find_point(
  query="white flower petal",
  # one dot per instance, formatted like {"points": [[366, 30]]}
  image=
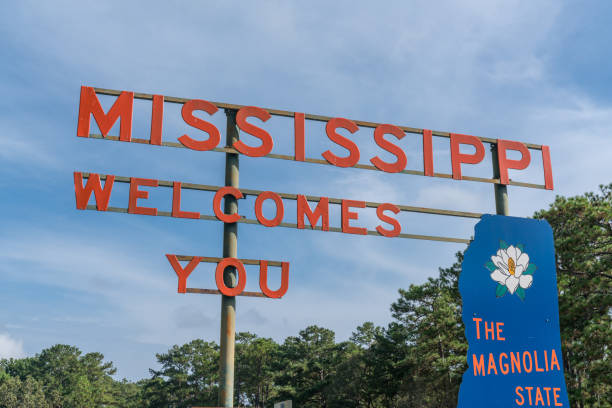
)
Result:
{"points": [[504, 256], [512, 253], [519, 271], [512, 283], [499, 276], [525, 281], [499, 263], [523, 260], [518, 252]]}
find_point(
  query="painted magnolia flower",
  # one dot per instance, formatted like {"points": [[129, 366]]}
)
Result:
{"points": [[512, 269]]}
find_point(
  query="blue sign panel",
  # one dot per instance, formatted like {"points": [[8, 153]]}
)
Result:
{"points": [[508, 284]]}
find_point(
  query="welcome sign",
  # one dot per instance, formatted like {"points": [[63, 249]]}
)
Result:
{"points": [[509, 287], [508, 284]]}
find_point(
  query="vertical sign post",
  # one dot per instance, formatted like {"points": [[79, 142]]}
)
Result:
{"points": [[501, 190], [230, 250]]}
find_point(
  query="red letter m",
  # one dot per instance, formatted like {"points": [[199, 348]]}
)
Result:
{"points": [[93, 184], [90, 105], [321, 211]]}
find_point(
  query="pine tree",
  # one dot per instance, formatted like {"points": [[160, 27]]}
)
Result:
{"points": [[582, 228]]}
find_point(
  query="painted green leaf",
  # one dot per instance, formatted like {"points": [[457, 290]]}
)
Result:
{"points": [[530, 270], [520, 292], [521, 247], [490, 266], [501, 290], [503, 245]]}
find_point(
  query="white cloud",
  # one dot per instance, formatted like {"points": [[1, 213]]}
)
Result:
{"points": [[10, 347]]}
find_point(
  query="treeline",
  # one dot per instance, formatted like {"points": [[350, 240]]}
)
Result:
{"points": [[416, 361]]}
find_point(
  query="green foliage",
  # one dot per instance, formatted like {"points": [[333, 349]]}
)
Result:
{"points": [[520, 292], [69, 379], [188, 376], [310, 361], [15, 393], [256, 370], [365, 335], [530, 269], [582, 228], [500, 290], [128, 394], [429, 316]]}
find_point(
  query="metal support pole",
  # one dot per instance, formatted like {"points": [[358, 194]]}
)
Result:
{"points": [[501, 191], [230, 249]]}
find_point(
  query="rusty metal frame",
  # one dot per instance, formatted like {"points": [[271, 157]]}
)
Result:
{"points": [[244, 220], [324, 162], [289, 196], [291, 225]]}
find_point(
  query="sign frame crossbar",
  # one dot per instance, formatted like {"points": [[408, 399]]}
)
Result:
{"points": [[292, 225], [495, 181], [291, 196]]}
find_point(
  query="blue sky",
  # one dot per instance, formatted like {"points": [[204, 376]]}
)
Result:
{"points": [[529, 71]]}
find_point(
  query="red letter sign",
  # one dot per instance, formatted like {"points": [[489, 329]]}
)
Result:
{"points": [[322, 211], [135, 194], [90, 105], [427, 153], [299, 137], [380, 212], [183, 274], [457, 158], [505, 163], [348, 215], [379, 137], [263, 280], [235, 291], [266, 140], [548, 178], [157, 119], [93, 184], [280, 210], [176, 203], [213, 132], [330, 128], [229, 218]]}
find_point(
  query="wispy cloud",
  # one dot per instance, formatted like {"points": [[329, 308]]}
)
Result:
{"points": [[10, 347]]}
